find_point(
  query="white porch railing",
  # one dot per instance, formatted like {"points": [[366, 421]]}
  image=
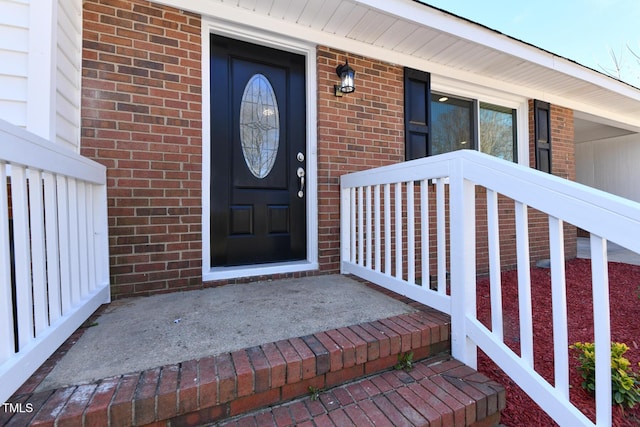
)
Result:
{"points": [[53, 249], [386, 238]]}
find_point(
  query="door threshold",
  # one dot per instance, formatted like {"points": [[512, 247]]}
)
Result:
{"points": [[221, 273]]}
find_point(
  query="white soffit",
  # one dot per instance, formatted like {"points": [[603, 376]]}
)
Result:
{"points": [[410, 33]]}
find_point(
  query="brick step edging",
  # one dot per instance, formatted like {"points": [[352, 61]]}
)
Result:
{"points": [[438, 391], [214, 388]]}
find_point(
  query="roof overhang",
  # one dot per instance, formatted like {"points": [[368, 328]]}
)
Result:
{"points": [[413, 34]]}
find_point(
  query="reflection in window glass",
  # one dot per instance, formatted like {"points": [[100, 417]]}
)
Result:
{"points": [[497, 131], [451, 124], [259, 126]]}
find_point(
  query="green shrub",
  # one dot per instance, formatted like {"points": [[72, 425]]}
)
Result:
{"points": [[405, 362], [625, 383]]}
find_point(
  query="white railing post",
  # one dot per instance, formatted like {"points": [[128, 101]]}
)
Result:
{"points": [[101, 232], [462, 262]]}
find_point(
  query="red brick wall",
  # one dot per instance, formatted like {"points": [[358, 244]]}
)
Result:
{"points": [[360, 130], [141, 117]]}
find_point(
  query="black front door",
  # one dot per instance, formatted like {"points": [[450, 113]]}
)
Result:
{"points": [[258, 156]]}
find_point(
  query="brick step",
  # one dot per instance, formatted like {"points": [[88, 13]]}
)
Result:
{"points": [[438, 391], [216, 388]]}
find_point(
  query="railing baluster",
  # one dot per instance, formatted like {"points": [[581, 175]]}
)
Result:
{"points": [[376, 203], [74, 259], [559, 306], [602, 329], [353, 225], [83, 243], [82, 228], [22, 253], [360, 227], [369, 226], [91, 264], [38, 256], [493, 227], [398, 218], [387, 229], [524, 283], [65, 243], [441, 237], [53, 254], [411, 235], [6, 306], [424, 233]]}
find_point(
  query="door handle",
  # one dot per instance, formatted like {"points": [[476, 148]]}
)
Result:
{"points": [[300, 174]]}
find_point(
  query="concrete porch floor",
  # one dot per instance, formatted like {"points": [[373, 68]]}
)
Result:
{"points": [[136, 334], [327, 332], [615, 252]]}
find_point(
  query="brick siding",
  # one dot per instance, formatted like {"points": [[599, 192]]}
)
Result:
{"points": [[141, 117], [360, 130]]}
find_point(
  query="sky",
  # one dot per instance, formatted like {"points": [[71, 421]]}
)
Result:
{"points": [[584, 31]]}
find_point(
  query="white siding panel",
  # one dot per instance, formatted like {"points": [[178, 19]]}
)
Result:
{"points": [[14, 41], [611, 165], [13, 88], [14, 38], [13, 63], [585, 164], [14, 13], [66, 129], [68, 73], [13, 112]]}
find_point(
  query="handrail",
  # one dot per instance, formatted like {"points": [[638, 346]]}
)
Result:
{"points": [[373, 223], [54, 259]]}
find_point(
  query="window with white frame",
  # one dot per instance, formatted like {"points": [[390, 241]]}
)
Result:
{"points": [[458, 115], [458, 123]]}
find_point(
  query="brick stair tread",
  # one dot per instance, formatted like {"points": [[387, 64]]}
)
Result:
{"points": [[212, 389], [438, 391]]}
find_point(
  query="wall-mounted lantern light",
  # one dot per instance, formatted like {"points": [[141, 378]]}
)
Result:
{"points": [[346, 75]]}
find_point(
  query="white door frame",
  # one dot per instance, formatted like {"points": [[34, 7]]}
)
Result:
{"points": [[259, 37]]}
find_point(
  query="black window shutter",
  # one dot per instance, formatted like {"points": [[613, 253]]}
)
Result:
{"points": [[542, 135], [417, 95]]}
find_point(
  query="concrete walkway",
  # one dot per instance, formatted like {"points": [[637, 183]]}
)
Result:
{"points": [[141, 333], [615, 253]]}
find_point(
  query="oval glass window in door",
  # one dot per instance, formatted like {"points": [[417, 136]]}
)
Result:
{"points": [[259, 126]]}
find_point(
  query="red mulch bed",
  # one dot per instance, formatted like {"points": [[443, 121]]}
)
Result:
{"points": [[624, 284]]}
